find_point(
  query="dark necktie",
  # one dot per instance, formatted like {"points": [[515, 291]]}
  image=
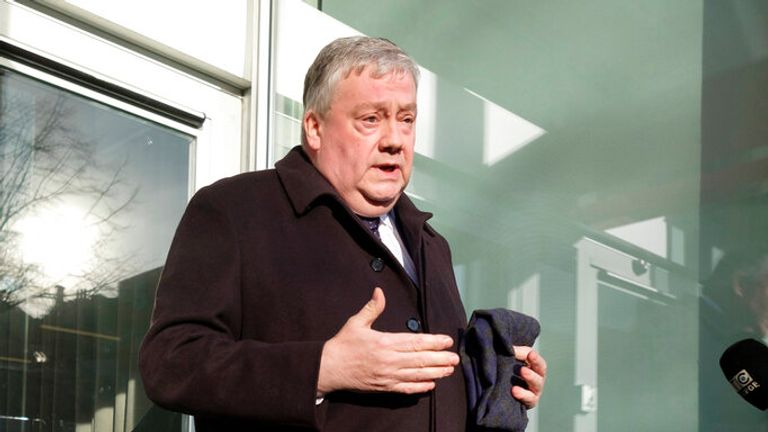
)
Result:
{"points": [[372, 223]]}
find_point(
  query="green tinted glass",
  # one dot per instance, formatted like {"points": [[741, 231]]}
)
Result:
{"points": [[601, 165]]}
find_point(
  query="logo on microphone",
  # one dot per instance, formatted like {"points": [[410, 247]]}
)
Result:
{"points": [[743, 382]]}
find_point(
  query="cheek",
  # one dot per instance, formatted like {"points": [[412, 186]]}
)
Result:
{"points": [[408, 168], [357, 167]]}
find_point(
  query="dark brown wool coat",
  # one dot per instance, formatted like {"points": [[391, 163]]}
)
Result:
{"points": [[263, 269]]}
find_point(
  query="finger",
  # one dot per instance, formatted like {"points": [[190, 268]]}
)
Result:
{"points": [[408, 342], [526, 397], [537, 363], [532, 358], [428, 359], [522, 352], [371, 311], [413, 387], [424, 373], [534, 381], [534, 374]]}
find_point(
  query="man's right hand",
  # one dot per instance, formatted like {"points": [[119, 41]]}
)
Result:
{"points": [[359, 358]]}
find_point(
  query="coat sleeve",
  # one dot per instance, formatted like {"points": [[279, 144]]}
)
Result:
{"points": [[193, 359]]}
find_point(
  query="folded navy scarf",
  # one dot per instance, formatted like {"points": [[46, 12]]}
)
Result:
{"points": [[490, 368]]}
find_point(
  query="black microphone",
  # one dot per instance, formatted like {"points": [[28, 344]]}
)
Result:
{"points": [[745, 365]]}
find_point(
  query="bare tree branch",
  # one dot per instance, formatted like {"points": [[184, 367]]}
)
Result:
{"points": [[45, 160]]}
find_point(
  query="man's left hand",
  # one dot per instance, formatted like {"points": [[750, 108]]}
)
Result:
{"points": [[534, 374]]}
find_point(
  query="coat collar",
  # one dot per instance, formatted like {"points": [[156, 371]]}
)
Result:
{"points": [[303, 183], [305, 186]]}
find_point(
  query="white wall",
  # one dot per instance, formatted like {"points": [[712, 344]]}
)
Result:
{"points": [[214, 32]]}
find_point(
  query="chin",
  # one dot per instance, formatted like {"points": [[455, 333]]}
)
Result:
{"points": [[382, 201]]}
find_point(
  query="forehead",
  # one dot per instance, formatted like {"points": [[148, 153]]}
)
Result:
{"points": [[367, 85]]}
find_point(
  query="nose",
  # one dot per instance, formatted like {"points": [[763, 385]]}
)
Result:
{"points": [[392, 139]]}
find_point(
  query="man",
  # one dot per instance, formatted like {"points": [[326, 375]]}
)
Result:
{"points": [[258, 322]]}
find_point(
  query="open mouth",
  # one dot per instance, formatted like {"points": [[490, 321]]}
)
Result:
{"points": [[387, 167]]}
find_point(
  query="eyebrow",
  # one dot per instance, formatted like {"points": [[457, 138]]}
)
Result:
{"points": [[380, 105]]}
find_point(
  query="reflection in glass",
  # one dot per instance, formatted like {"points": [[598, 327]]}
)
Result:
{"points": [[635, 226], [89, 198]]}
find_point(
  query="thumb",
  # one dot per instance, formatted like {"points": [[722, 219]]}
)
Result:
{"points": [[372, 309]]}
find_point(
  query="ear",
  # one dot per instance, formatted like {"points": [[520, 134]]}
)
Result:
{"points": [[312, 130]]}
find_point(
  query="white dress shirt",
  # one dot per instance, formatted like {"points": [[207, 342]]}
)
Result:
{"points": [[392, 240]]}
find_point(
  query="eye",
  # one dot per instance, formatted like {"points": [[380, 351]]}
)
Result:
{"points": [[369, 119]]}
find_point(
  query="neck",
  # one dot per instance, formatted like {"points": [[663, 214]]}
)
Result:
{"points": [[368, 209]]}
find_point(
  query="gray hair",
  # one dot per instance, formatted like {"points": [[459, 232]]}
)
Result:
{"points": [[340, 58]]}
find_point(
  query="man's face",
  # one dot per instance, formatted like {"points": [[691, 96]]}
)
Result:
{"points": [[364, 144]]}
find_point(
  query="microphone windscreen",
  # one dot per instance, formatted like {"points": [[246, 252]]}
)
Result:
{"points": [[745, 365]]}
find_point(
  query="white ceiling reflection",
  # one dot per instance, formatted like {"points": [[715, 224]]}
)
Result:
{"points": [[504, 132], [650, 234]]}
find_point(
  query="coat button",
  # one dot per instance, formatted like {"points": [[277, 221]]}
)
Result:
{"points": [[413, 325], [377, 264]]}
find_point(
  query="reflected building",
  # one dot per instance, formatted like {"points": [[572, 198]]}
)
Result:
{"points": [[77, 366]]}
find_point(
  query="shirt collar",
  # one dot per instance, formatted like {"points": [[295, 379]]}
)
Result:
{"points": [[388, 219]]}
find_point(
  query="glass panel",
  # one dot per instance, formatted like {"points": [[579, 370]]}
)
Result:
{"points": [[600, 165], [89, 199]]}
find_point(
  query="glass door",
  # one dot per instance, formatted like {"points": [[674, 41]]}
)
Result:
{"points": [[90, 198], [100, 149]]}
